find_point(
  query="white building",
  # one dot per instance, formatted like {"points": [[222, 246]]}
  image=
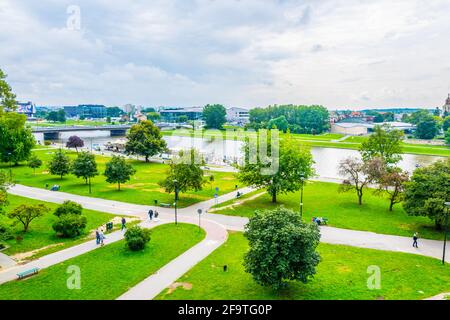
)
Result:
{"points": [[238, 115]]}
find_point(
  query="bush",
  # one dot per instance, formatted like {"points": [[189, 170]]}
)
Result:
{"points": [[47, 143], [68, 207], [5, 229], [137, 237], [69, 225]]}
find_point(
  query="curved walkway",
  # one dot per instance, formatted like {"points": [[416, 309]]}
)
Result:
{"points": [[362, 239]]}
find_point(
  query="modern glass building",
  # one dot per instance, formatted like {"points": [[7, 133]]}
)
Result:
{"points": [[86, 111]]}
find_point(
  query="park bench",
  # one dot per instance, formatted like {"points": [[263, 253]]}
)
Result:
{"points": [[27, 273], [165, 205]]}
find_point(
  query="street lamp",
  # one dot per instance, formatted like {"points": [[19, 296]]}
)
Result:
{"points": [[302, 178], [199, 211], [447, 208], [175, 183]]}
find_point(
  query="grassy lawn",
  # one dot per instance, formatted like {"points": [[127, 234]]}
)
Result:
{"points": [[341, 275], [107, 272], [142, 189], [41, 234], [69, 122], [323, 200]]}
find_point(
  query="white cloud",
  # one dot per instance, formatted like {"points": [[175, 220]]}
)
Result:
{"points": [[339, 53]]}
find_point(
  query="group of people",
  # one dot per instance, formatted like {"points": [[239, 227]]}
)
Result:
{"points": [[152, 214], [100, 237]]}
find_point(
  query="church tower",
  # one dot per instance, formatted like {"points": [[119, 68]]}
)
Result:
{"points": [[446, 107]]}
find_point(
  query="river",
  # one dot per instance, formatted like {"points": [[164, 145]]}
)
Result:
{"points": [[326, 159]]}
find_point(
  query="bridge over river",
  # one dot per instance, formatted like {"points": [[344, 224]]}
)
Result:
{"points": [[53, 133]]}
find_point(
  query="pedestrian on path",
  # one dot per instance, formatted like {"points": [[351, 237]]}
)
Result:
{"points": [[102, 238], [415, 238], [97, 237], [150, 214], [156, 216], [124, 223]]}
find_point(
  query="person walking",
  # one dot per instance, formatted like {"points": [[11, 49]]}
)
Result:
{"points": [[156, 216], [124, 223], [415, 238], [102, 238], [97, 236], [150, 214]]}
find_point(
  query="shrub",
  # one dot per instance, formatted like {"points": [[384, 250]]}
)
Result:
{"points": [[70, 222], [68, 207], [69, 225], [136, 238]]}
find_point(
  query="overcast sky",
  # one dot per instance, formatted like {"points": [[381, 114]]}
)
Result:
{"points": [[349, 53]]}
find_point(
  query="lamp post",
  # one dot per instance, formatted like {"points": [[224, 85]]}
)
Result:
{"points": [[447, 208], [175, 183], [302, 178], [199, 211]]}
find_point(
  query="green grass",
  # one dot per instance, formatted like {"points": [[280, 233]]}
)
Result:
{"points": [[143, 188], [41, 234], [68, 123], [323, 200], [107, 272], [341, 275]]}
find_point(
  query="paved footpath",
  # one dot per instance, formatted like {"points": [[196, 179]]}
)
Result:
{"points": [[362, 239]]}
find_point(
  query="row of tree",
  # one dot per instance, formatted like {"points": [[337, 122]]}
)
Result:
{"points": [[296, 119], [117, 170]]}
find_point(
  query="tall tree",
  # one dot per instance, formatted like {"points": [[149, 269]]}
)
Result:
{"points": [[359, 174], [215, 116], [392, 183], [5, 182], [186, 170], [16, 140], [384, 143], [145, 139], [85, 167], [427, 192], [295, 166], [427, 128], [118, 171], [34, 163], [59, 165], [25, 214], [282, 248], [75, 142], [7, 97]]}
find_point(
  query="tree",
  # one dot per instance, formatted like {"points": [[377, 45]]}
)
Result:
{"points": [[61, 115], [59, 165], [282, 248], [137, 238], [186, 170], [118, 171], [182, 119], [34, 163], [214, 115], [427, 128], [25, 214], [75, 142], [427, 192], [279, 123], [447, 137], [295, 165], [358, 174], [85, 167], [418, 116], [153, 116], [16, 140], [384, 143], [446, 124], [392, 183], [145, 139], [7, 97], [70, 221], [5, 182]]}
